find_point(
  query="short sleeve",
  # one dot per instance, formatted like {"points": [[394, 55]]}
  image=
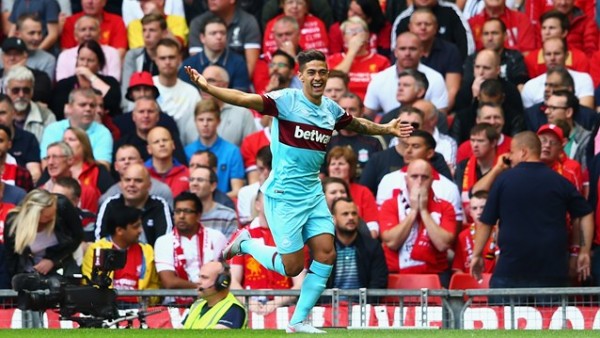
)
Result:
{"points": [[269, 105], [343, 118], [234, 318]]}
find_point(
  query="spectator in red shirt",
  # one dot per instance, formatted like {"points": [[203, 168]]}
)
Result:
{"points": [[553, 140], [520, 32], [313, 34], [417, 228], [112, 27], [493, 114], [584, 32], [555, 25], [247, 273], [463, 250], [358, 61], [84, 168], [342, 163], [162, 165], [380, 29]]}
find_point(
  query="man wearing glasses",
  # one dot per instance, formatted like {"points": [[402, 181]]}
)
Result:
{"points": [[180, 253]]}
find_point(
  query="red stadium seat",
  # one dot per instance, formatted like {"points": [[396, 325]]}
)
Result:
{"points": [[412, 282], [464, 281]]}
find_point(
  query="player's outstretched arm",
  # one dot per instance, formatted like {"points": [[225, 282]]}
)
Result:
{"points": [[394, 127], [231, 96]]}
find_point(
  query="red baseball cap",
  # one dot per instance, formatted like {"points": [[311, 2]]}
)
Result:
{"points": [[140, 79], [553, 128]]}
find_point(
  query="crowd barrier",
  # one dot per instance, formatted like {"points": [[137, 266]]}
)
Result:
{"points": [[551, 308]]}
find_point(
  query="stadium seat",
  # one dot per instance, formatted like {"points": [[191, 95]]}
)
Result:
{"points": [[413, 282], [464, 281]]}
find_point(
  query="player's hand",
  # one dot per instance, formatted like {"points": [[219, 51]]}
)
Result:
{"points": [[402, 130], [583, 266], [196, 78], [476, 266]]}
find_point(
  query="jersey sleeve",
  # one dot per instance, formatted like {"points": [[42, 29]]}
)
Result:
{"points": [[342, 117], [269, 105]]}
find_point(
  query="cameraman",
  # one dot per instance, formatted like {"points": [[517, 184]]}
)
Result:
{"points": [[41, 234], [125, 227]]}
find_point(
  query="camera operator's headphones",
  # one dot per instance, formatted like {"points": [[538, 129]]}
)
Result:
{"points": [[224, 278]]}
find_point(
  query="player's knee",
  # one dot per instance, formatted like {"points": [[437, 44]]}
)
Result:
{"points": [[325, 256], [293, 271]]}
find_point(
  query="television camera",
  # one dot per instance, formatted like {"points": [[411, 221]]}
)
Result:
{"points": [[96, 299]]}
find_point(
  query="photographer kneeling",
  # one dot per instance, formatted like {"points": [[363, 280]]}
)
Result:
{"points": [[41, 234], [139, 273]]}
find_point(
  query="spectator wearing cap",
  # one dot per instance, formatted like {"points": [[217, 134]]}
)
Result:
{"points": [[112, 28], [141, 59], [14, 53], [145, 116], [553, 140], [142, 86], [213, 36], [88, 28]]}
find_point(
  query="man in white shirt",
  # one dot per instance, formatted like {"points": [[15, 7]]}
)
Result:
{"points": [[180, 253], [177, 98], [381, 93], [555, 55]]}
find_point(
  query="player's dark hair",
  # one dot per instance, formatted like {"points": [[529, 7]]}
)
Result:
{"points": [[307, 56]]}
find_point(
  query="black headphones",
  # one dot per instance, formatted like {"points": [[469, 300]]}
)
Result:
{"points": [[224, 278]]}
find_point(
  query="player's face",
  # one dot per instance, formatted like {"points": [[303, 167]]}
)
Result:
{"points": [[481, 145], [476, 206], [551, 147], [345, 217], [340, 168], [334, 191], [314, 77], [335, 88], [493, 116]]}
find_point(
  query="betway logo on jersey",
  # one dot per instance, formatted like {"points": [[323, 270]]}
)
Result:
{"points": [[311, 135], [302, 135]]}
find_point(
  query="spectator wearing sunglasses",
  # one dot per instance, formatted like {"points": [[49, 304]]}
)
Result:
{"points": [[30, 116]]}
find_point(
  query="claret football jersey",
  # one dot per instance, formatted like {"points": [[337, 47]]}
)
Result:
{"points": [[299, 137]]}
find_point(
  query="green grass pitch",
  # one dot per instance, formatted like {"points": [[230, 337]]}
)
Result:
{"points": [[372, 333]]}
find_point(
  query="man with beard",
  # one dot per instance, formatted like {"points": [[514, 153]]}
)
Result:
{"points": [[29, 115]]}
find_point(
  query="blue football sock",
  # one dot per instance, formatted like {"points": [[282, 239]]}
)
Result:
{"points": [[265, 255], [311, 290]]}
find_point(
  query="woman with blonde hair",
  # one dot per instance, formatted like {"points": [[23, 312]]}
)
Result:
{"points": [[41, 234]]}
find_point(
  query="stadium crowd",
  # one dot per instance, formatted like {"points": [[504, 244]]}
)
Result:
{"points": [[500, 175]]}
